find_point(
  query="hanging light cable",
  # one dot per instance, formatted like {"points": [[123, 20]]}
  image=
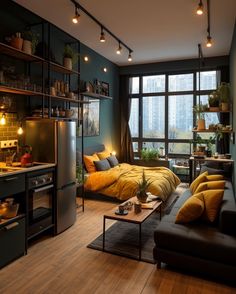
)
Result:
{"points": [[209, 38], [199, 10], [76, 17], [118, 51], [102, 36]]}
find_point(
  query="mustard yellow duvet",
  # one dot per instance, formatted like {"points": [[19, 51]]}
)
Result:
{"points": [[122, 181]]}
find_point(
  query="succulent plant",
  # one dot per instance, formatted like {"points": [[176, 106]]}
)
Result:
{"points": [[142, 188]]}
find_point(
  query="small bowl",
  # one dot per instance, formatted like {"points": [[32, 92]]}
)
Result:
{"points": [[228, 156]]}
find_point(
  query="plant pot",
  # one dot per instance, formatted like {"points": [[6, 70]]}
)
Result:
{"points": [[201, 148], [67, 62], [27, 47], [215, 109], [224, 106], [201, 124], [142, 196], [17, 43]]}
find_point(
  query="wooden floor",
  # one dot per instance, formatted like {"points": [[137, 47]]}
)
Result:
{"points": [[63, 264]]}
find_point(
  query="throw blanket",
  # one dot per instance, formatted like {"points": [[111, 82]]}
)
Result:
{"points": [[122, 181]]}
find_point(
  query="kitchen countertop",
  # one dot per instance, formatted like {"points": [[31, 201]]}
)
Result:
{"points": [[16, 168]]}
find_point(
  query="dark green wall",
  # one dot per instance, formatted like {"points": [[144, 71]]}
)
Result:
{"points": [[233, 92], [109, 109]]}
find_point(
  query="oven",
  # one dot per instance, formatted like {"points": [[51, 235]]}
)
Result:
{"points": [[40, 202]]}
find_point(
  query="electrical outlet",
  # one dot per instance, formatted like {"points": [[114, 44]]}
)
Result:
{"points": [[8, 144]]}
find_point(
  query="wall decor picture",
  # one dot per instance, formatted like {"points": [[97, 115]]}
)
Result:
{"points": [[91, 118], [105, 88]]}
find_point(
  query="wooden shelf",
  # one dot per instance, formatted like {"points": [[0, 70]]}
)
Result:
{"points": [[95, 95], [64, 98], [211, 131], [11, 51], [60, 68], [219, 111], [17, 91]]}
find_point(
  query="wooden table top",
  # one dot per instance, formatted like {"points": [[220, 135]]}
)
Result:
{"points": [[132, 216]]}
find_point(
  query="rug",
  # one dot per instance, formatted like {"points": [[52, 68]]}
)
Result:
{"points": [[122, 238]]}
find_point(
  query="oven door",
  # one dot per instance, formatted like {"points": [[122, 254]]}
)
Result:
{"points": [[40, 209]]}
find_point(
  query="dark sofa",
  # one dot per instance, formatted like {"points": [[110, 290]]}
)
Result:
{"points": [[208, 249]]}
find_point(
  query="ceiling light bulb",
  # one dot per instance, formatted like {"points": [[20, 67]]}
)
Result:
{"points": [[200, 8], [3, 119], [130, 57], [118, 51], [86, 58], [76, 17], [20, 131], [209, 41], [102, 36], [105, 69]]}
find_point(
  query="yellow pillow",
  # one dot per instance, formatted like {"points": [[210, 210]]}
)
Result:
{"points": [[213, 200], [89, 162], [191, 210], [214, 177], [104, 154], [197, 181], [212, 185]]}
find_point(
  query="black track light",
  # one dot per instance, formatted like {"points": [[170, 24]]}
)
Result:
{"points": [[130, 56], [76, 17], [102, 36], [209, 41], [199, 10], [118, 51]]}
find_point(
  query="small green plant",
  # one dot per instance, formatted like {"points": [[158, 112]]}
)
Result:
{"points": [[224, 92], [70, 53], [32, 37], [142, 188], [199, 111], [214, 99], [149, 154], [79, 174]]}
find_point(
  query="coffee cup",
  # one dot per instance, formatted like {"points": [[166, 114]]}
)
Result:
{"points": [[69, 113], [137, 207]]}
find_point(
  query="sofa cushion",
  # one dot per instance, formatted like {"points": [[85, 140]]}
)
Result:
{"points": [[102, 165], [212, 200], [210, 185], [103, 155], [191, 210], [201, 178], [214, 177], [89, 162]]}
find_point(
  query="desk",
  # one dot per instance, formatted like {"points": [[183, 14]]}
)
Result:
{"points": [[193, 160], [181, 171]]}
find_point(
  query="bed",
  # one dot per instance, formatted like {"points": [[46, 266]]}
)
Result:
{"points": [[121, 181]]}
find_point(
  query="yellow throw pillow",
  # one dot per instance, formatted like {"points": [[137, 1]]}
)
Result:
{"points": [[191, 210], [214, 177], [212, 185], [89, 162], [197, 181], [213, 200], [104, 154]]}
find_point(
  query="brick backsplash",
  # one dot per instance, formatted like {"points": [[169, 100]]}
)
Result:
{"points": [[8, 131]]}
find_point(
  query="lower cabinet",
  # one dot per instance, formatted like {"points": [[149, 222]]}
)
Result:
{"points": [[12, 240]]}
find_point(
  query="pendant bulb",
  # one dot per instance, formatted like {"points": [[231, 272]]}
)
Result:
{"points": [[199, 10]]}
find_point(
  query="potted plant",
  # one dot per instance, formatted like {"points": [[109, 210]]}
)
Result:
{"points": [[142, 189], [214, 101], [224, 92], [149, 154], [69, 57], [198, 110], [30, 42]]}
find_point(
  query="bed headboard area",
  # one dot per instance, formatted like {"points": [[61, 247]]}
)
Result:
{"points": [[92, 149]]}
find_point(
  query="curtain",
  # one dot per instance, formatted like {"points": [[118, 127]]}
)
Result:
{"points": [[126, 148]]}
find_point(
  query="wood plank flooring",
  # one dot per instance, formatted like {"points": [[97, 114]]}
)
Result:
{"points": [[63, 264]]}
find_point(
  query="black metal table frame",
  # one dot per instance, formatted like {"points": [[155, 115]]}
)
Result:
{"points": [[128, 221]]}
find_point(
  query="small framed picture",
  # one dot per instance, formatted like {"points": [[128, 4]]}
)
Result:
{"points": [[105, 88]]}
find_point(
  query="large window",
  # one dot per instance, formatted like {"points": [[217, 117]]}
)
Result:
{"points": [[162, 109]]}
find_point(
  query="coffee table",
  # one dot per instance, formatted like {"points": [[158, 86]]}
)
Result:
{"points": [[131, 217]]}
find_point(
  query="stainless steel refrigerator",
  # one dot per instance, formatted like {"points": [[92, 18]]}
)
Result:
{"points": [[55, 142]]}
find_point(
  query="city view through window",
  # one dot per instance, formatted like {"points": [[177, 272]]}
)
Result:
{"points": [[162, 109]]}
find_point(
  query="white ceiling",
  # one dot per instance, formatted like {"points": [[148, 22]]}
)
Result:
{"points": [[156, 30]]}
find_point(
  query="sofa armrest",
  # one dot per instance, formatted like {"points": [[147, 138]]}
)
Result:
{"points": [[227, 222]]}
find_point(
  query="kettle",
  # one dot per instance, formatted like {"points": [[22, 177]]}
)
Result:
{"points": [[26, 159]]}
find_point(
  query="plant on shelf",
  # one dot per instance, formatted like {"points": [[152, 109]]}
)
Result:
{"points": [[142, 189], [199, 111], [149, 154], [224, 92], [30, 41], [214, 101], [70, 57], [79, 174]]}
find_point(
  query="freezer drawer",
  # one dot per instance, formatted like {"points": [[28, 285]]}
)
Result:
{"points": [[65, 208]]}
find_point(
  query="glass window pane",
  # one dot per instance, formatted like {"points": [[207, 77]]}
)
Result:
{"points": [[135, 146], [182, 82], [154, 84], [134, 85], [180, 116], [210, 118], [134, 117], [153, 145], [179, 148], [154, 117], [207, 80]]}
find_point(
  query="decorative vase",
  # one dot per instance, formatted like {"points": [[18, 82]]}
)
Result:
{"points": [[224, 106], [27, 47], [17, 43], [142, 196], [67, 62], [201, 125]]}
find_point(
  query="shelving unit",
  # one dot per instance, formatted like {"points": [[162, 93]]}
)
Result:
{"points": [[212, 131], [95, 95]]}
